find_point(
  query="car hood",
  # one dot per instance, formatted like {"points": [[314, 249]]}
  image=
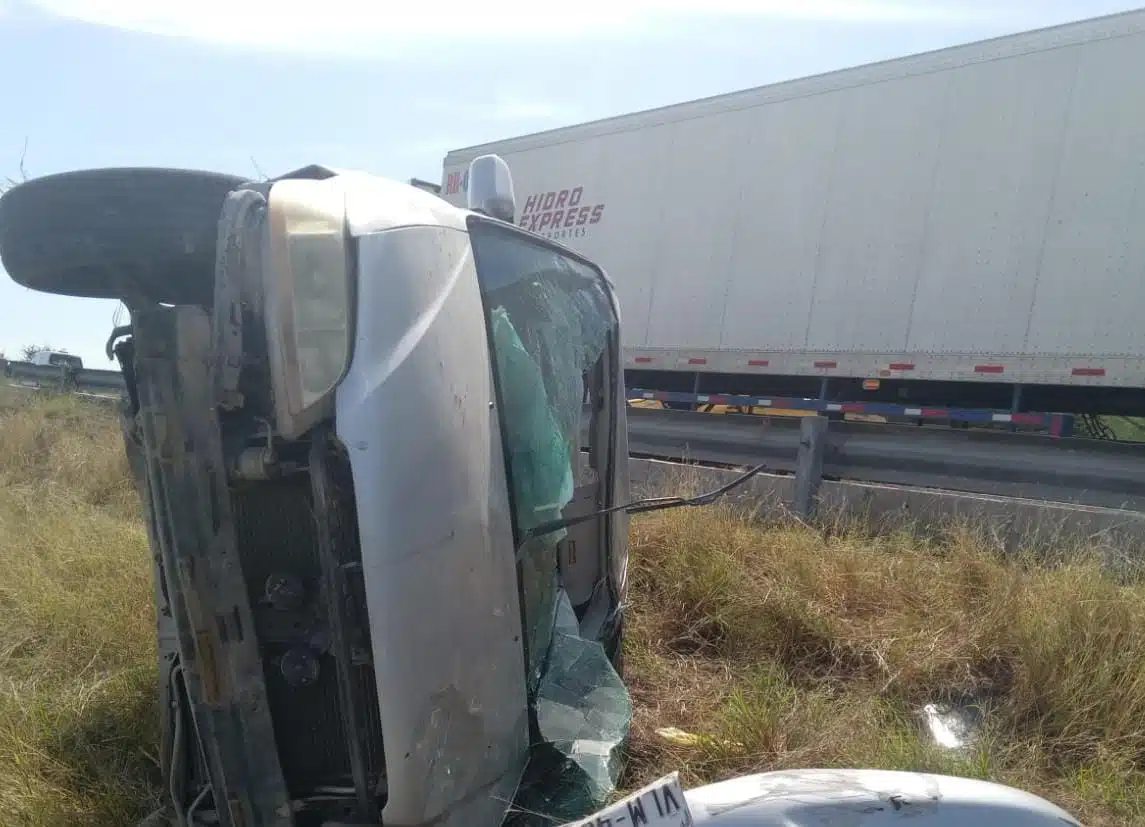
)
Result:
{"points": [[868, 798]]}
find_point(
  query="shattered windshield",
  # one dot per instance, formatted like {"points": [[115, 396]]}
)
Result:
{"points": [[550, 323]]}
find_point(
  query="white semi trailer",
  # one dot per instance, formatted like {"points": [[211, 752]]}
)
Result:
{"points": [[955, 235]]}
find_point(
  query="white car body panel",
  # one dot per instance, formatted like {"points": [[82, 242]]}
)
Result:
{"points": [[868, 798]]}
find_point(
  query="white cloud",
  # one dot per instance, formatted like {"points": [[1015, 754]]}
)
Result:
{"points": [[373, 27]]}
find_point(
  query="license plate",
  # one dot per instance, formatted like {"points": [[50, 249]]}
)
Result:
{"points": [[660, 804]]}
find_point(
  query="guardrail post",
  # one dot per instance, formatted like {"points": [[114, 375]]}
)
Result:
{"points": [[809, 464]]}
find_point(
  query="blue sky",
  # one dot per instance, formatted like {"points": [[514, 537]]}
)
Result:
{"points": [[258, 85]]}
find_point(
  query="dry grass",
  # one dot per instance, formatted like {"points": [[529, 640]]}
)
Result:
{"points": [[792, 646], [785, 645], [77, 675]]}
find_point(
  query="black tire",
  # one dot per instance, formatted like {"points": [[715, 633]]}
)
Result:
{"points": [[129, 233]]}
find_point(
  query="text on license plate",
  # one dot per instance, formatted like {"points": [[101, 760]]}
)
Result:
{"points": [[660, 804]]}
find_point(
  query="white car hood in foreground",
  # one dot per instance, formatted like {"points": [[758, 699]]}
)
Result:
{"points": [[831, 798], [867, 798]]}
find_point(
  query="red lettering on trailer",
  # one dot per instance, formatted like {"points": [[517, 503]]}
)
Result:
{"points": [[643, 360], [456, 182], [989, 369], [826, 364], [559, 212], [902, 366], [1089, 371], [758, 363], [697, 361]]}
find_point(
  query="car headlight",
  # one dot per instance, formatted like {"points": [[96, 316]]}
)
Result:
{"points": [[308, 294]]}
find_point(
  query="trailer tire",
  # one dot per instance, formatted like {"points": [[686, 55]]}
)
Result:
{"points": [[146, 234]]}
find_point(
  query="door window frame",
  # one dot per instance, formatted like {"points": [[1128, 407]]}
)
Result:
{"points": [[603, 409]]}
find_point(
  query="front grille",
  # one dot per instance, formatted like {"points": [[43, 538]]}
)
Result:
{"points": [[276, 539]]}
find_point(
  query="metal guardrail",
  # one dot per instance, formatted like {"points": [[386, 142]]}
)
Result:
{"points": [[1084, 472], [83, 380]]}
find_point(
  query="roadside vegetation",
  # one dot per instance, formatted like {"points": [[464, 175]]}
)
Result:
{"points": [[763, 645], [785, 646], [1126, 428]]}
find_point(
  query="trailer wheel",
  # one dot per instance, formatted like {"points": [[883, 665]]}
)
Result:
{"points": [[119, 233]]}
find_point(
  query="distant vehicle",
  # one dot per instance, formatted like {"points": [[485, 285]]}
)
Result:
{"points": [[62, 369], [56, 359]]}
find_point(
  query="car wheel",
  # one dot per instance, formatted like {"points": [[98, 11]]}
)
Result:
{"points": [[120, 233]]}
